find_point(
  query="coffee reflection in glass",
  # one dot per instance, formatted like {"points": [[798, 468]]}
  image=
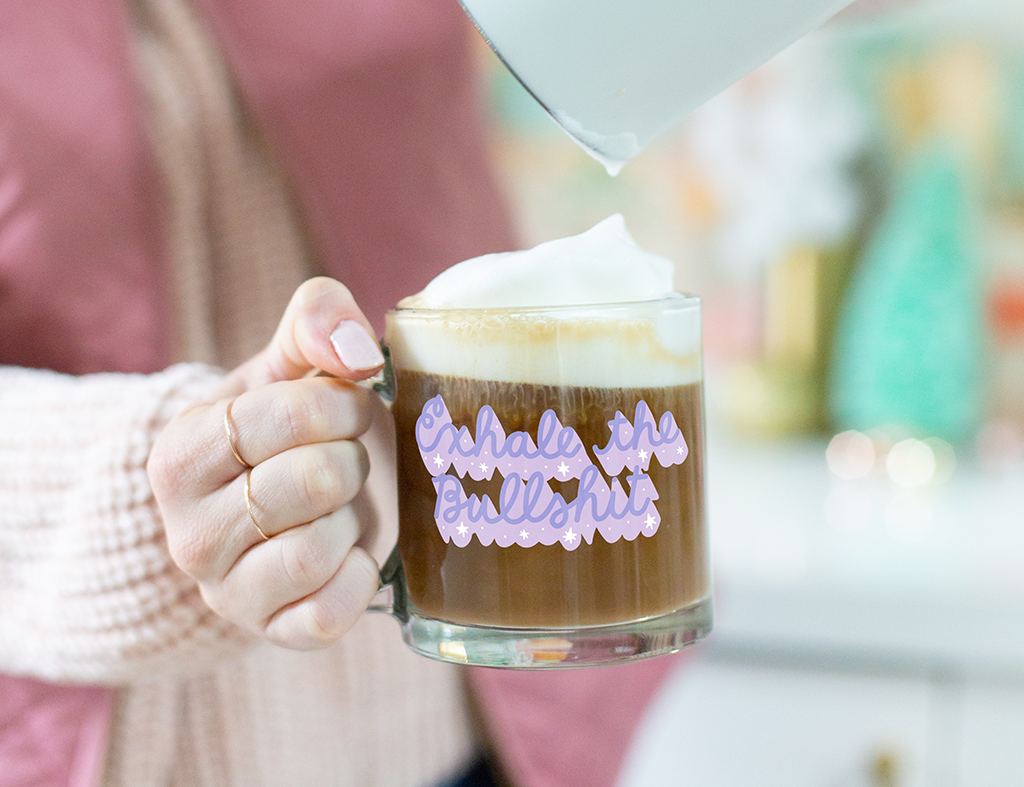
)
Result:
{"points": [[551, 482]]}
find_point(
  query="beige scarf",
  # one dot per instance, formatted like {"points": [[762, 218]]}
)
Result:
{"points": [[365, 711], [237, 245]]}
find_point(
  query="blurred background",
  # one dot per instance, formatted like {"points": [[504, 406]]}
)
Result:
{"points": [[852, 215]]}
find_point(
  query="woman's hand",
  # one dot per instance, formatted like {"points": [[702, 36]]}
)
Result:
{"points": [[298, 570]]}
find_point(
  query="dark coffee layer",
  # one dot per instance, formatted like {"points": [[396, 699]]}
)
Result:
{"points": [[550, 586]]}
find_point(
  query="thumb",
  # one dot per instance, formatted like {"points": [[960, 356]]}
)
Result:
{"points": [[322, 328]]}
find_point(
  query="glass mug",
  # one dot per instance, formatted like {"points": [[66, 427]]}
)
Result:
{"points": [[551, 483]]}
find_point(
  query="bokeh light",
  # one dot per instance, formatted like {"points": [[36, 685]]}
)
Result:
{"points": [[945, 459], [911, 463], [850, 455]]}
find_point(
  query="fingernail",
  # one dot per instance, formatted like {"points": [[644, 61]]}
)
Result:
{"points": [[355, 347]]}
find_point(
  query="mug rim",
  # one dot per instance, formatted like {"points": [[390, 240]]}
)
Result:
{"points": [[676, 298]]}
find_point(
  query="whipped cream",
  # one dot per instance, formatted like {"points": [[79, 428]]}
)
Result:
{"points": [[589, 310], [602, 265]]}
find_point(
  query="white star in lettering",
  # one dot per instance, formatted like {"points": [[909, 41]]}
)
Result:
{"points": [[524, 535], [649, 521], [642, 454], [462, 529], [679, 450], [438, 460], [483, 467], [569, 537], [563, 468]]}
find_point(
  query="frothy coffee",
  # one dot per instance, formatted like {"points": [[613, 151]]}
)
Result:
{"points": [[550, 433], [496, 306]]}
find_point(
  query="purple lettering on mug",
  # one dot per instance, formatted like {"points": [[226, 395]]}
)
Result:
{"points": [[528, 511]]}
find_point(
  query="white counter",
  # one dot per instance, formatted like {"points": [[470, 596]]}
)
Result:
{"points": [[808, 564], [865, 634]]}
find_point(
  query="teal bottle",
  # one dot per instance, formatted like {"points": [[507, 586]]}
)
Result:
{"points": [[910, 340]]}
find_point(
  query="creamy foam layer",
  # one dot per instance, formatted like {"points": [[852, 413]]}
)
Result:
{"points": [[602, 265], [593, 310], [585, 350]]}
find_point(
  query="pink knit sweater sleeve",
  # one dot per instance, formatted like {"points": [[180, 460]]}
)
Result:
{"points": [[88, 591]]}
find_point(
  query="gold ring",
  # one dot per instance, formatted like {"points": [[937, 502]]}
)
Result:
{"points": [[248, 506], [231, 435]]}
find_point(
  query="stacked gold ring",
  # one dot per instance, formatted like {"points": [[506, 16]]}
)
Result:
{"points": [[229, 430], [248, 506], [231, 435]]}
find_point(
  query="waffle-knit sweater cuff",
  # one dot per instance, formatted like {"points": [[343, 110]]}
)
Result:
{"points": [[88, 591]]}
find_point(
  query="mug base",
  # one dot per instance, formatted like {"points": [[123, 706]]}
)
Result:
{"points": [[552, 648]]}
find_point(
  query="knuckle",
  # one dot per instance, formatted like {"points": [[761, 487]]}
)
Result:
{"points": [[346, 523], [306, 561], [215, 601], [309, 293], [322, 625], [167, 468], [296, 414], [353, 468], [346, 406], [277, 636], [228, 607], [360, 462], [320, 479], [326, 622], [326, 615], [193, 553], [364, 567], [361, 409]]}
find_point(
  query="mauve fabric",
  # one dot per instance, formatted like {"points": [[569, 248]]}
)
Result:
{"points": [[82, 262], [82, 283], [52, 736], [368, 109], [568, 729]]}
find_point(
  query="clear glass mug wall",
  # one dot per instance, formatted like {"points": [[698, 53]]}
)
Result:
{"points": [[551, 483]]}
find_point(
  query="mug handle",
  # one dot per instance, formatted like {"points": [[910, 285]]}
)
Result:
{"points": [[391, 595]]}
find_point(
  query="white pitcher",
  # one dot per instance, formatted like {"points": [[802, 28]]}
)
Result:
{"points": [[615, 73]]}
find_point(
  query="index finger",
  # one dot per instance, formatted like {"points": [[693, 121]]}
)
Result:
{"points": [[264, 422]]}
